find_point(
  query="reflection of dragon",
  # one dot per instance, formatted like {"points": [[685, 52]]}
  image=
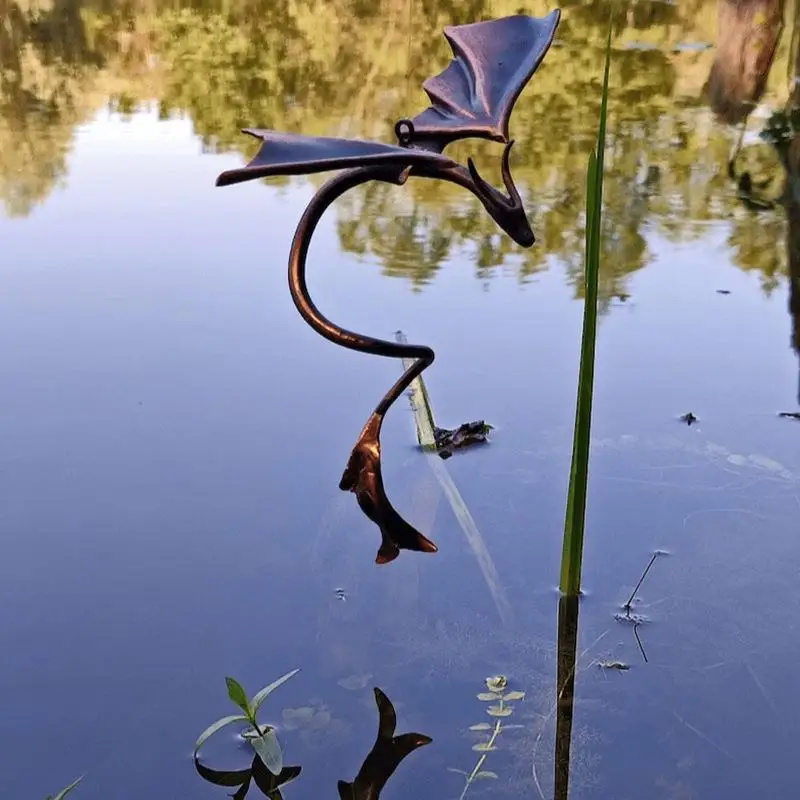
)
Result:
{"points": [[472, 97], [379, 765]]}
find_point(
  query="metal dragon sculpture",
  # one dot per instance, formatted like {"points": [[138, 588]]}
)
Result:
{"points": [[472, 98]]}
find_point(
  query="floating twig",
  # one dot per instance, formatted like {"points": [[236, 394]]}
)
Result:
{"points": [[639, 641], [627, 605]]}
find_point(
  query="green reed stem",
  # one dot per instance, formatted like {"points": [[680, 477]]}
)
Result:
{"points": [[575, 517]]}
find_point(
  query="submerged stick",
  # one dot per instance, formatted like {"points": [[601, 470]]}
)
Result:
{"points": [[639, 642], [425, 425]]}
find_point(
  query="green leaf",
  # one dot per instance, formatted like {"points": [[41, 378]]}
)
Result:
{"points": [[485, 696], [483, 747], [486, 773], [238, 695], [499, 711], [64, 792], [269, 751], [575, 516], [481, 726], [513, 696], [217, 726], [261, 696]]}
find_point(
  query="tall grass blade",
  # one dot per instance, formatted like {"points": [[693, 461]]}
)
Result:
{"points": [[572, 554]]}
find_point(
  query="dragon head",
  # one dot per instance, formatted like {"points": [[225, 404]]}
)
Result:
{"points": [[507, 211]]}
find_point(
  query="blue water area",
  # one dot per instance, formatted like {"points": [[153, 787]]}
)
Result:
{"points": [[172, 434]]}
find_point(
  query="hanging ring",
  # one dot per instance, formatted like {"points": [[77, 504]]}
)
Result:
{"points": [[404, 131]]}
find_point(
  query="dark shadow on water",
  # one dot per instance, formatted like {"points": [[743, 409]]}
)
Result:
{"points": [[378, 766], [269, 784]]}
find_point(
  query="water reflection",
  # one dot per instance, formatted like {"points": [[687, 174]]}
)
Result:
{"points": [[269, 784], [789, 149], [568, 612], [740, 84], [291, 66], [379, 765], [672, 161], [749, 37]]}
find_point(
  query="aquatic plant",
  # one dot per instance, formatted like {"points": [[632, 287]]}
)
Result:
{"points": [[574, 522], [65, 791], [261, 736], [497, 694]]}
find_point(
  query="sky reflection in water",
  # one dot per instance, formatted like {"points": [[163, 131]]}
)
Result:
{"points": [[173, 434]]}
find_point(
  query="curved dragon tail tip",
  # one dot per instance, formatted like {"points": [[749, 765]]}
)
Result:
{"points": [[387, 552], [407, 537], [426, 545]]}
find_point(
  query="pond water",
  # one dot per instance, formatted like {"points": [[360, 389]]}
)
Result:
{"points": [[173, 434]]}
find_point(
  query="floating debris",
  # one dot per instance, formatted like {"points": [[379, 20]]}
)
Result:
{"points": [[790, 415], [618, 665], [723, 291], [629, 618], [470, 433], [340, 594], [689, 418]]}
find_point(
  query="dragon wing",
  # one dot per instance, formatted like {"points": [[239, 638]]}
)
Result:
{"points": [[475, 94], [295, 154]]}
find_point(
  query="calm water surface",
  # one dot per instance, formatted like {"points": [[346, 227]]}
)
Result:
{"points": [[173, 434]]}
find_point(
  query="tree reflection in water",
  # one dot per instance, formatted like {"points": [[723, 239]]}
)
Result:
{"points": [[743, 81]]}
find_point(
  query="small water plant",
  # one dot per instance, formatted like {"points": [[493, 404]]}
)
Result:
{"points": [[260, 735], [66, 790], [574, 521], [500, 698]]}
